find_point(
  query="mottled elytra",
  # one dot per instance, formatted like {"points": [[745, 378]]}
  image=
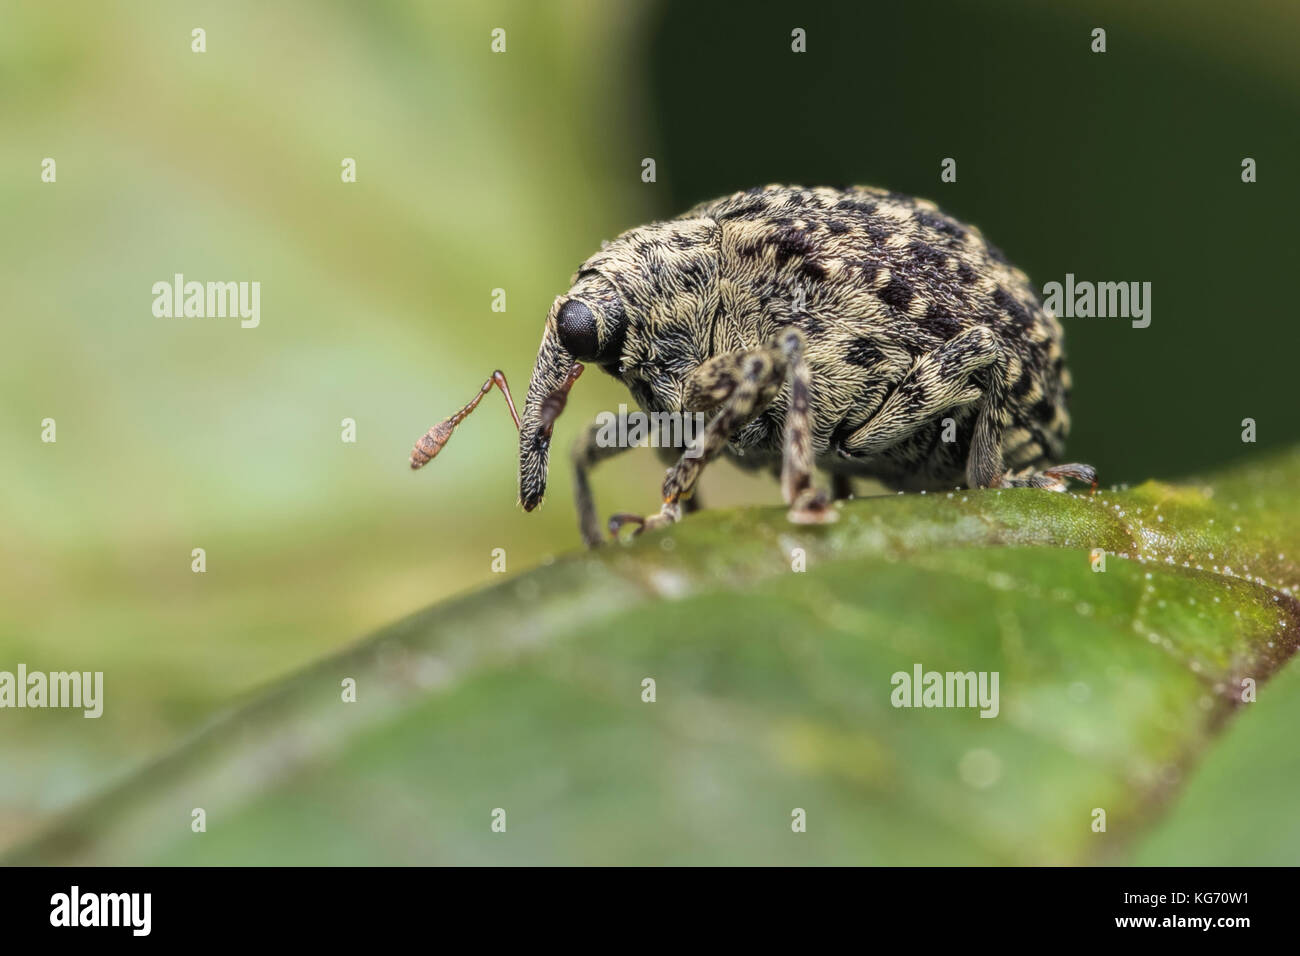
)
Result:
{"points": [[856, 331]]}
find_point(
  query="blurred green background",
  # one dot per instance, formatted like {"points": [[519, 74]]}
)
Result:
{"points": [[479, 171]]}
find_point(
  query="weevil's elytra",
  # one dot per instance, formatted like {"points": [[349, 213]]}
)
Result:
{"points": [[856, 331]]}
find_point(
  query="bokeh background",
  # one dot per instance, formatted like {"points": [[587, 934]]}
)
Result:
{"points": [[479, 171]]}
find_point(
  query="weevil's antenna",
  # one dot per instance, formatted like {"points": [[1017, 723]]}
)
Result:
{"points": [[436, 437], [554, 403]]}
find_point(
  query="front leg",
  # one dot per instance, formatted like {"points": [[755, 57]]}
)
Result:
{"points": [[744, 383]]}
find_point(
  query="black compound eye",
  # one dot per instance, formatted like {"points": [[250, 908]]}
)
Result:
{"points": [[577, 328]]}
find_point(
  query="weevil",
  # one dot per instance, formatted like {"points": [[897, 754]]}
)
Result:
{"points": [[857, 331]]}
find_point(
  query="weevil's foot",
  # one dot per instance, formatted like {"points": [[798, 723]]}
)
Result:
{"points": [[668, 514], [591, 536], [621, 520], [812, 507], [1051, 479], [1077, 472]]}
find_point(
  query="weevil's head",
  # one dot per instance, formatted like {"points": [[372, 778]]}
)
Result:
{"points": [[642, 297], [587, 324]]}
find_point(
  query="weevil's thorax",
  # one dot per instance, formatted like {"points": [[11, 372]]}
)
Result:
{"points": [[665, 276]]}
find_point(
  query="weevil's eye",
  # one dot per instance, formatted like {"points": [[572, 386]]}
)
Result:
{"points": [[577, 329]]}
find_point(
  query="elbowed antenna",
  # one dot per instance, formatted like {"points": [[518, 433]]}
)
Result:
{"points": [[436, 438], [553, 404]]}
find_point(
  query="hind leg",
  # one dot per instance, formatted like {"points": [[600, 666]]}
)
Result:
{"points": [[1053, 479], [970, 368], [984, 465]]}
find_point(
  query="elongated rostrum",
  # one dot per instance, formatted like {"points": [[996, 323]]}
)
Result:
{"points": [[856, 331]]}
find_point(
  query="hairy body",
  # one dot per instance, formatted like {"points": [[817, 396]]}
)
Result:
{"points": [[855, 331]]}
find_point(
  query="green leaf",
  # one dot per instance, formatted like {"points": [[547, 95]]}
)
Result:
{"points": [[773, 692]]}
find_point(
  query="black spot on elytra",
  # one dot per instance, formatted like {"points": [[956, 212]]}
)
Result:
{"points": [[1022, 385], [867, 269], [694, 277], [965, 274], [837, 228], [940, 322], [1007, 303], [754, 209], [940, 223], [812, 270], [927, 254], [791, 244], [1044, 409], [863, 353], [854, 205], [898, 292]]}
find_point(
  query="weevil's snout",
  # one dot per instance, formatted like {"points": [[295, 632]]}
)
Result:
{"points": [[588, 324], [548, 392], [534, 449], [532, 478]]}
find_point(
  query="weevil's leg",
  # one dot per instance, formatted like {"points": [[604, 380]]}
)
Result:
{"points": [[808, 505], [970, 367], [588, 450], [1053, 479], [668, 455], [938, 381], [743, 382], [984, 465], [841, 486]]}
